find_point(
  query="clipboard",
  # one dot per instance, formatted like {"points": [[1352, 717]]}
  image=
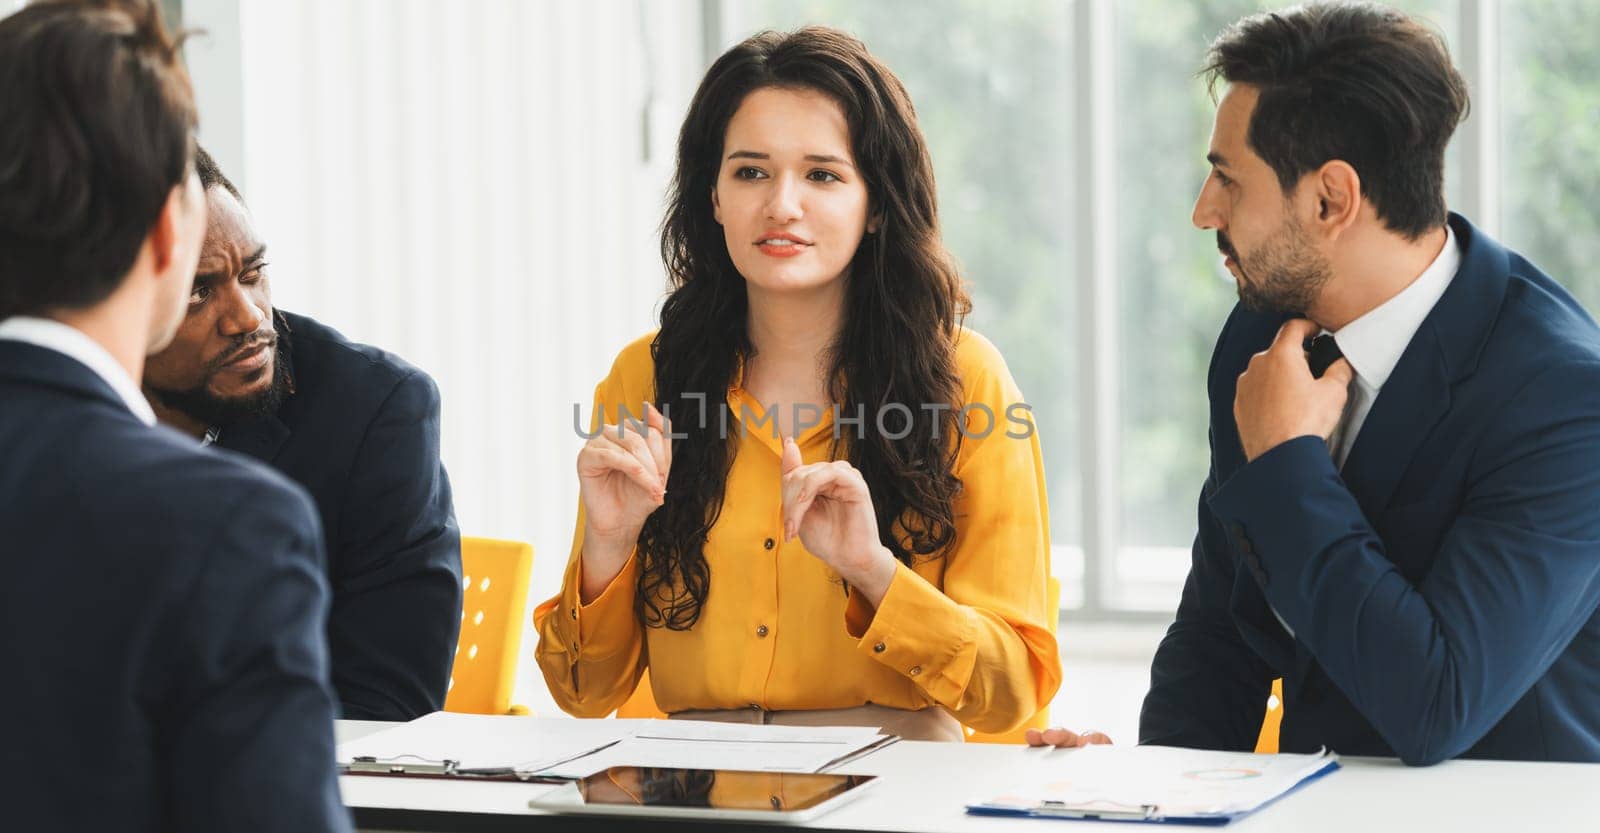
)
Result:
{"points": [[416, 766], [1104, 809]]}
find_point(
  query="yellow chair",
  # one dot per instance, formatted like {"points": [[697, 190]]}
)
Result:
{"points": [[1267, 743], [494, 576], [642, 703]]}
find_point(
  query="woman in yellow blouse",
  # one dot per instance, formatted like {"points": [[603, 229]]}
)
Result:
{"points": [[841, 517]]}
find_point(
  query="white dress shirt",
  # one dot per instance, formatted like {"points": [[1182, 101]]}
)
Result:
{"points": [[1374, 342], [71, 342]]}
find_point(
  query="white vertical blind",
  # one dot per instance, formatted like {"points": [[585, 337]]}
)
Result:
{"points": [[474, 186]]}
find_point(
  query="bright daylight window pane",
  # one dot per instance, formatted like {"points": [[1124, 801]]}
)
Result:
{"points": [[993, 89], [1550, 152]]}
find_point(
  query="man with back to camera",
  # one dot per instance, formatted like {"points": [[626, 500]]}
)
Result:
{"points": [[1402, 518], [358, 428], [163, 604]]}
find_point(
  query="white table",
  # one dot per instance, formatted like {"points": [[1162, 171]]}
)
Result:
{"points": [[925, 787]]}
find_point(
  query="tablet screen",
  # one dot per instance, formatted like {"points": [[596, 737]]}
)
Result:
{"points": [[714, 788]]}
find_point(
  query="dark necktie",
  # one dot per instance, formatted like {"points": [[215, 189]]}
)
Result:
{"points": [[1321, 352]]}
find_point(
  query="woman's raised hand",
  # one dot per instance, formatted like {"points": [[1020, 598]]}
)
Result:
{"points": [[622, 478], [829, 506]]}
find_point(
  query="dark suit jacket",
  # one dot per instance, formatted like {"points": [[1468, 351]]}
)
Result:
{"points": [[160, 622], [1443, 587], [361, 433]]}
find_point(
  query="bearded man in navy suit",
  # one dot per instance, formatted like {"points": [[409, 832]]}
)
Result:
{"points": [[1402, 517]]}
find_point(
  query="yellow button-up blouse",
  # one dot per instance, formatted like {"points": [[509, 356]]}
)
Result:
{"points": [[968, 630]]}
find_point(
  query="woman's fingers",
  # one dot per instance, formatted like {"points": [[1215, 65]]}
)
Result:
{"points": [[666, 431], [627, 454], [793, 482], [799, 487], [802, 487], [791, 457], [598, 460], [655, 439], [629, 439]]}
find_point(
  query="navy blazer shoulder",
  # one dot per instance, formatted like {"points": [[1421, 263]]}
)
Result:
{"points": [[360, 432], [1443, 587], [163, 610]]}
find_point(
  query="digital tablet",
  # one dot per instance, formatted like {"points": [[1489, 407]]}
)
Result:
{"points": [[732, 795]]}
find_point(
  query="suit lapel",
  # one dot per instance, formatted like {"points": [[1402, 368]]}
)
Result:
{"points": [[260, 438], [1411, 402], [1444, 351], [1417, 394]]}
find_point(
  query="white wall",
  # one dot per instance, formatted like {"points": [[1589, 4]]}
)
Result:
{"points": [[473, 186]]}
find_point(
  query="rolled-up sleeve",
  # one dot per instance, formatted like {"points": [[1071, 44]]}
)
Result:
{"points": [[591, 654]]}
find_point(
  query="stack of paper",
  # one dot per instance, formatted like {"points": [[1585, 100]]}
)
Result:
{"points": [[569, 748], [703, 745], [1155, 783], [527, 745]]}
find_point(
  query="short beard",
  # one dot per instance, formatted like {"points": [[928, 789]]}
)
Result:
{"points": [[1285, 274], [201, 404]]}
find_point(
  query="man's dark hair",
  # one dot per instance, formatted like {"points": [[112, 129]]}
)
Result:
{"points": [[212, 176], [1358, 82], [97, 129]]}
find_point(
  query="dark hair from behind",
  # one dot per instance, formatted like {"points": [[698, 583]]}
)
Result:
{"points": [[211, 176], [904, 301], [1357, 82], [98, 129]]}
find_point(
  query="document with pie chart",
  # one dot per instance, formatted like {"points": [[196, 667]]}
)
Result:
{"points": [[1154, 784]]}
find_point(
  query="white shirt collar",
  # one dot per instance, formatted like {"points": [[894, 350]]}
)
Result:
{"points": [[1374, 342], [70, 341]]}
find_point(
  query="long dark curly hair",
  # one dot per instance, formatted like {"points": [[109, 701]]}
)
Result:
{"points": [[904, 303]]}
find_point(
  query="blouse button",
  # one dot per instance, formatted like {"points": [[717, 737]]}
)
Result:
{"points": [[761, 631], [769, 543], [879, 648]]}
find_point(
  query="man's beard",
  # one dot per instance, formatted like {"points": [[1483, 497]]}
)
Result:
{"points": [[216, 411], [1284, 275]]}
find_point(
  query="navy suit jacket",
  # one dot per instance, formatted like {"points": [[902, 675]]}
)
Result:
{"points": [[361, 433], [161, 617], [1443, 587]]}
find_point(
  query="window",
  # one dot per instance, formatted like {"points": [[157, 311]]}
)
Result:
{"points": [[1549, 108]]}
